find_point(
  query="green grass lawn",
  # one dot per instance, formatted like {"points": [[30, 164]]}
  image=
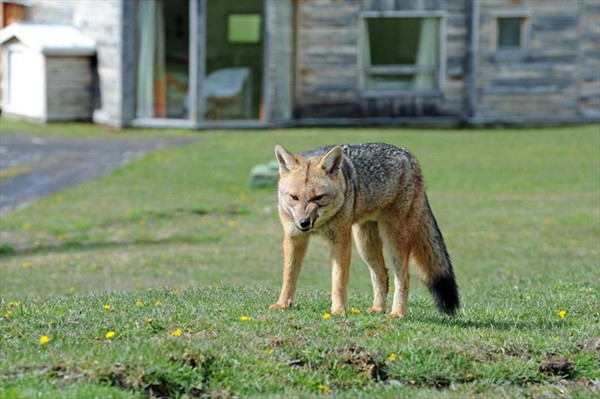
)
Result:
{"points": [[180, 238]]}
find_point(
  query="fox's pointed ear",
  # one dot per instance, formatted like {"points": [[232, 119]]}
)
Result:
{"points": [[285, 158], [332, 161]]}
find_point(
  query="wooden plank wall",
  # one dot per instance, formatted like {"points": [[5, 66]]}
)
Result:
{"points": [[326, 58], [327, 70], [68, 88], [554, 76], [589, 59], [280, 76]]}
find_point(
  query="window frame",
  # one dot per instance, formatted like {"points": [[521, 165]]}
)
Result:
{"points": [[525, 38], [363, 70]]}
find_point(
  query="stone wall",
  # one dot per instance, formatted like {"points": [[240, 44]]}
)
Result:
{"points": [[102, 21]]}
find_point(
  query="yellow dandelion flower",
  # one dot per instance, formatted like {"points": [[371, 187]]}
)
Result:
{"points": [[392, 357], [44, 339], [107, 307], [588, 290], [71, 289], [13, 304], [326, 316], [176, 333], [149, 320], [26, 265], [158, 303], [562, 314], [245, 318], [324, 388], [109, 335], [8, 314], [139, 304], [355, 311], [500, 313]]}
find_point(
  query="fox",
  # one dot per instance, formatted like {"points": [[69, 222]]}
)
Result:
{"points": [[374, 192]]}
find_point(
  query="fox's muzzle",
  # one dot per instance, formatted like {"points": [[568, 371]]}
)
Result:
{"points": [[305, 224]]}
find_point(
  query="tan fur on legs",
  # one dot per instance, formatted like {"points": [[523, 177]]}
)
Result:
{"points": [[401, 282], [341, 252], [370, 248], [294, 249], [397, 237]]}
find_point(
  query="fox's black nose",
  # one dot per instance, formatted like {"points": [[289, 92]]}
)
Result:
{"points": [[305, 224]]}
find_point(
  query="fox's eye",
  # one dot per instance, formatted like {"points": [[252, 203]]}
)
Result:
{"points": [[294, 197], [317, 198]]}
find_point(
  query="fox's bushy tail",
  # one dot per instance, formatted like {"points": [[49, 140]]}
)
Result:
{"points": [[434, 264]]}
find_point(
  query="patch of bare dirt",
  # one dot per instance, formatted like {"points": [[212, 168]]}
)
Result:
{"points": [[361, 361], [557, 365]]}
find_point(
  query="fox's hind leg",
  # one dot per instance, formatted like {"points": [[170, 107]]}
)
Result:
{"points": [[370, 248], [400, 253]]}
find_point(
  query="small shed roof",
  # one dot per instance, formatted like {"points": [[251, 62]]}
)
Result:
{"points": [[50, 39]]}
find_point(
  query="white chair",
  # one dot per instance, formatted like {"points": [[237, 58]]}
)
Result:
{"points": [[228, 93]]}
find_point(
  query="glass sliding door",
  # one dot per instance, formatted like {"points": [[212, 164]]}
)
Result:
{"points": [[198, 62], [232, 88], [162, 67]]}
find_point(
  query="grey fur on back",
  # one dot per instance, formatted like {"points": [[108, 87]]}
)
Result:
{"points": [[371, 160], [377, 162], [374, 168]]}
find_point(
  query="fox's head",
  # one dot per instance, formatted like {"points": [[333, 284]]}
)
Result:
{"points": [[311, 188]]}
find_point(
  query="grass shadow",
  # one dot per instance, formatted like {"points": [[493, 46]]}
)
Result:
{"points": [[465, 322], [7, 251]]}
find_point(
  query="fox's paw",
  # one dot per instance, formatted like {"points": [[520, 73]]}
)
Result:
{"points": [[278, 305], [376, 309], [338, 311], [396, 315]]}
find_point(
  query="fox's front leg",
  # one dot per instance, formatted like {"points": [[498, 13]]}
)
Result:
{"points": [[340, 272], [294, 249]]}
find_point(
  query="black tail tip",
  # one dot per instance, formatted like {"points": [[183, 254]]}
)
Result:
{"points": [[445, 294]]}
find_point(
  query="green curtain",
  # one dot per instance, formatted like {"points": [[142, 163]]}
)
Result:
{"points": [[427, 55], [151, 70]]}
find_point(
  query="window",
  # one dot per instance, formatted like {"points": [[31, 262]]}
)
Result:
{"points": [[509, 33], [401, 53], [243, 28]]}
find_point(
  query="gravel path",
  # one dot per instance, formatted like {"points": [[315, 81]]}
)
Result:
{"points": [[33, 167]]}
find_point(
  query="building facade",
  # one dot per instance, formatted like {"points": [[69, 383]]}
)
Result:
{"points": [[253, 63]]}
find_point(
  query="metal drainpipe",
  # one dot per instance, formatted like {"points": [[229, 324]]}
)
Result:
{"points": [[472, 55]]}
